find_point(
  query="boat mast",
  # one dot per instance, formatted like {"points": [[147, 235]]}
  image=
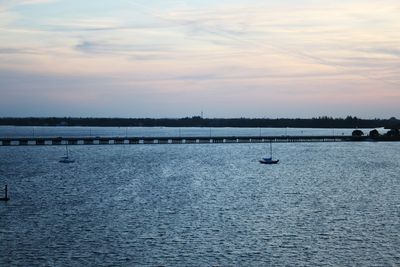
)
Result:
{"points": [[270, 148]]}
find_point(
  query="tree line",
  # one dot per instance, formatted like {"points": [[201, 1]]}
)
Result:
{"points": [[197, 121]]}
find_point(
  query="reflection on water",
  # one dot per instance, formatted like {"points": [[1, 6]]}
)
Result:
{"points": [[201, 205]]}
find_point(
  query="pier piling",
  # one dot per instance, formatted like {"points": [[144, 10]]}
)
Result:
{"points": [[6, 198]]}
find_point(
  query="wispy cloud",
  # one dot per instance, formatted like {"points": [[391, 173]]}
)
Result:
{"points": [[30, 2], [17, 51], [310, 33], [109, 48]]}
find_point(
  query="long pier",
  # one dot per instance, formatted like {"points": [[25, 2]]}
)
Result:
{"points": [[47, 141]]}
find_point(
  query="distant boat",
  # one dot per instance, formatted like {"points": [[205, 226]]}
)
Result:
{"points": [[66, 159], [269, 160]]}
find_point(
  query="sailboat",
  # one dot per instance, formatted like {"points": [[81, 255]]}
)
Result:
{"points": [[66, 158], [269, 160]]}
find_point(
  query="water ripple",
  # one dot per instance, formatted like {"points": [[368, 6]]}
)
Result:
{"points": [[201, 205]]}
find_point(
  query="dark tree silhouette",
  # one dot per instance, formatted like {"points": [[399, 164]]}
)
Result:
{"points": [[357, 133], [197, 121], [374, 133], [393, 132]]}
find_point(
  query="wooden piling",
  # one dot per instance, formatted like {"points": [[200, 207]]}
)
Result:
{"points": [[6, 198]]}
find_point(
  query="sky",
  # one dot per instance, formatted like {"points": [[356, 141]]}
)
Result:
{"points": [[171, 58]]}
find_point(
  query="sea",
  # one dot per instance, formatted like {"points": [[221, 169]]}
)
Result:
{"points": [[323, 204]]}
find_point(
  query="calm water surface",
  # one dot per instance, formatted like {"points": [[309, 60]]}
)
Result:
{"points": [[330, 204]]}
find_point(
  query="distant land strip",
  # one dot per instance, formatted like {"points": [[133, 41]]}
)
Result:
{"points": [[197, 121]]}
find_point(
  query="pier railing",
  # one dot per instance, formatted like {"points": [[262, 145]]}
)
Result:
{"points": [[41, 141]]}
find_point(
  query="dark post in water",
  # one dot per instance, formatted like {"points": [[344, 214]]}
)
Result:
{"points": [[6, 198]]}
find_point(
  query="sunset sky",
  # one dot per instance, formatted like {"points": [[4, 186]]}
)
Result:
{"points": [[236, 58]]}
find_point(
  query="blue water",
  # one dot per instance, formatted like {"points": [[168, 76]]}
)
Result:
{"points": [[324, 204]]}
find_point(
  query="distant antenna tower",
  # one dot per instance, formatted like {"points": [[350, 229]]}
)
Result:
{"points": [[202, 114]]}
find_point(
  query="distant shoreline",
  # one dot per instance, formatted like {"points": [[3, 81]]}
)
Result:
{"points": [[320, 122]]}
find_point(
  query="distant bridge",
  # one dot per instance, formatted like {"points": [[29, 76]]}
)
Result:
{"points": [[44, 141]]}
